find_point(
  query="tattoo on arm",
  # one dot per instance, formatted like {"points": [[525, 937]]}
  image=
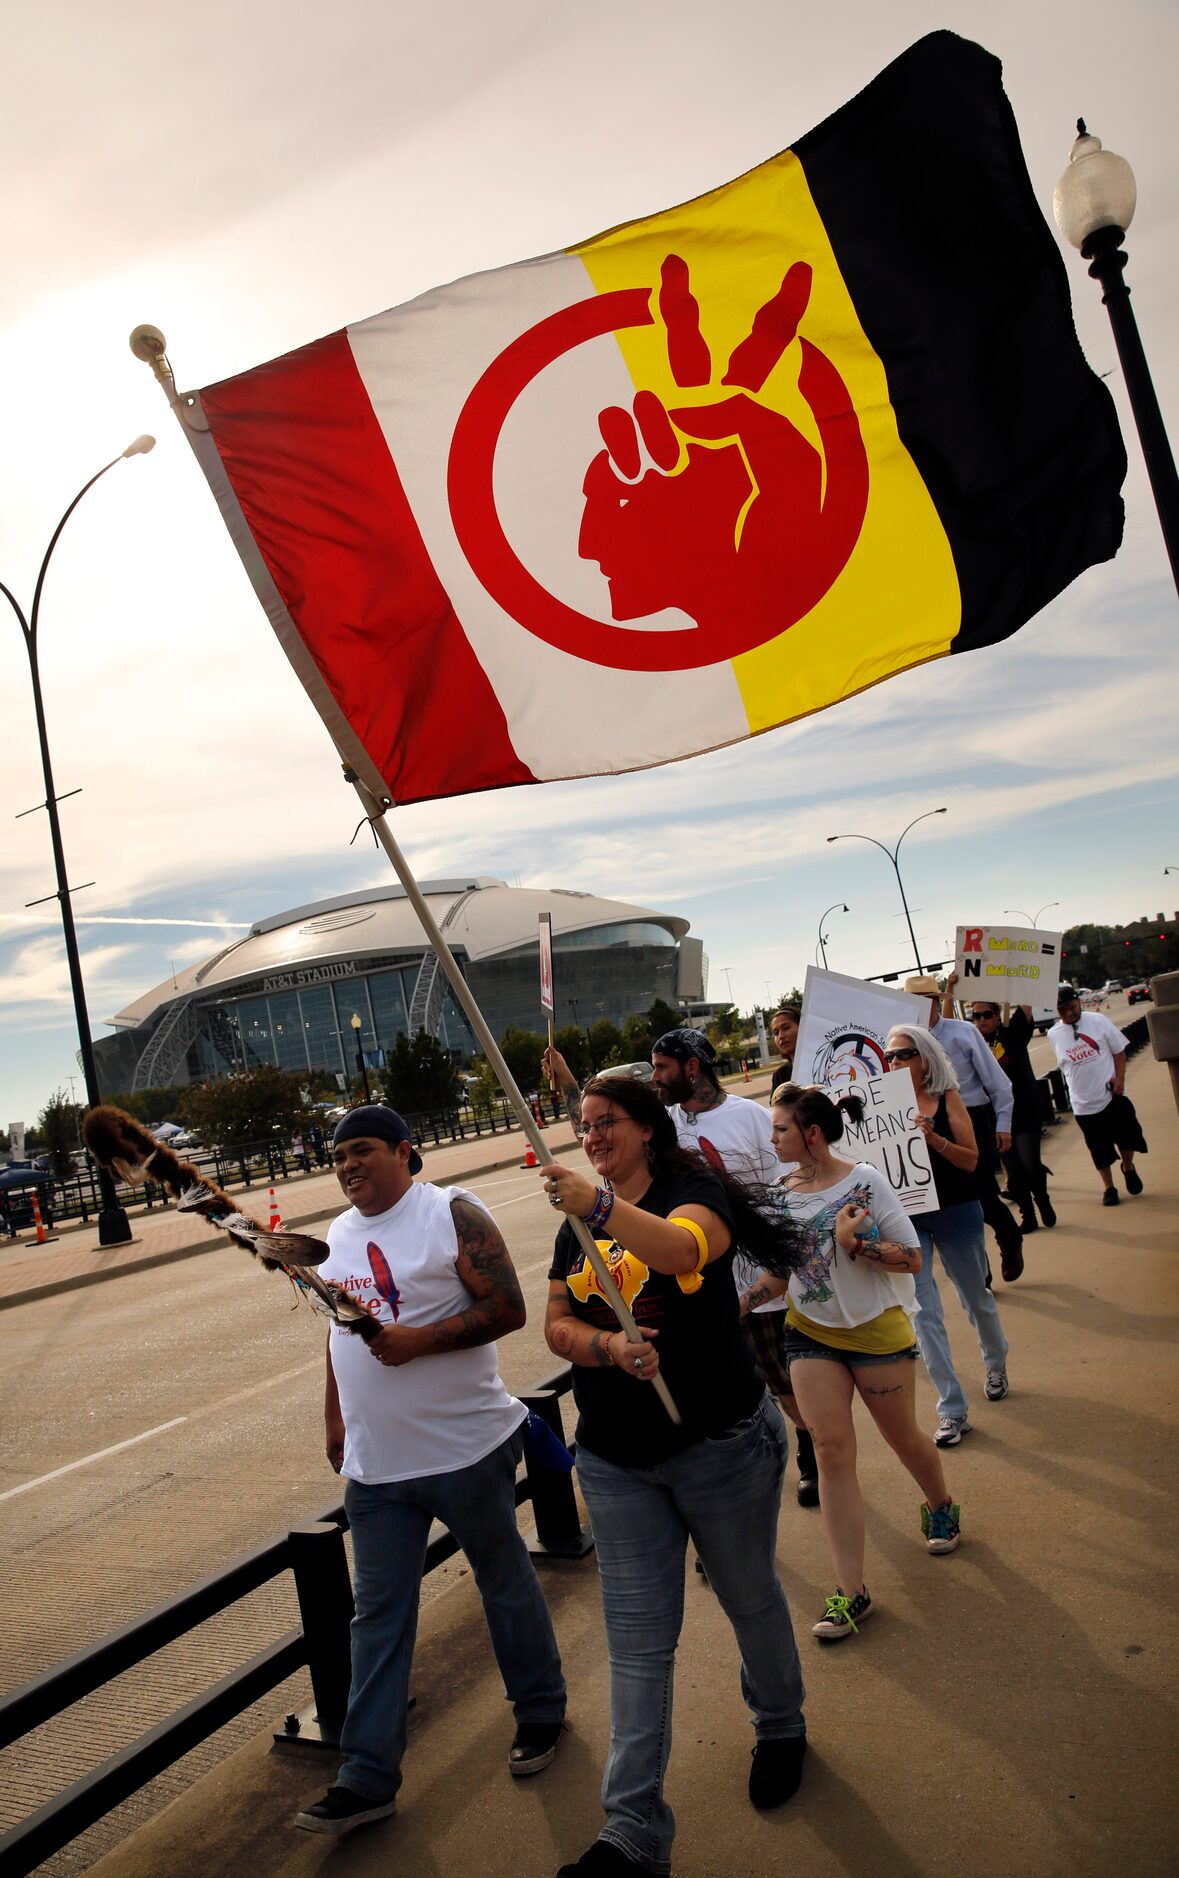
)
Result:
{"points": [[486, 1270], [571, 1096], [887, 1252], [600, 1348], [561, 1337], [757, 1294]]}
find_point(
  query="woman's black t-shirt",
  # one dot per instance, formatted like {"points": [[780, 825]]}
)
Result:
{"points": [[703, 1356], [955, 1186]]}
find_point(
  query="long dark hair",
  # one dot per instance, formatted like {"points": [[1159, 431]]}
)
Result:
{"points": [[814, 1108], [760, 1227]]}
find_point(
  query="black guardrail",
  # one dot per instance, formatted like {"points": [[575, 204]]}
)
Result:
{"points": [[314, 1553]]}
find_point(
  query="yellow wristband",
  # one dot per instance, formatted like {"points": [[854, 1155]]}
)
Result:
{"points": [[692, 1281]]}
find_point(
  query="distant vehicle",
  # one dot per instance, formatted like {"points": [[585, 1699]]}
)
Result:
{"points": [[1138, 994], [1111, 985], [640, 1071], [186, 1139], [1043, 1017]]}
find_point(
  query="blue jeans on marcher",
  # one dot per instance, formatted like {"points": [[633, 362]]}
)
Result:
{"points": [[724, 1494], [390, 1527], [957, 1232]]}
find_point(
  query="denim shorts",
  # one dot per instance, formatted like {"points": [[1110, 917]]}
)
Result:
{"points": [[798, 1345]]}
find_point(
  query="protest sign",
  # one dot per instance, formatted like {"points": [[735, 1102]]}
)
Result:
{"points": [[1019, 964], [887, 1138], [844, 1026]]}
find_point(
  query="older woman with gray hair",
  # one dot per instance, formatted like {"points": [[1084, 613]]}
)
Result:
{"points": [[954, 1228]]}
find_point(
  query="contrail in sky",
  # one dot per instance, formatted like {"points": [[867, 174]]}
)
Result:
{"points": [[118, 919]]}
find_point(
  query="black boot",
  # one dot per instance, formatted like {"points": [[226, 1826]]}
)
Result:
{"points": [[1027, 1219], [807, 1491], [1047, 1210]]}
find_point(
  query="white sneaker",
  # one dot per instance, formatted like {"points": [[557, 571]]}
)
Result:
{"points": [[997, 1385], [950, 1430]]}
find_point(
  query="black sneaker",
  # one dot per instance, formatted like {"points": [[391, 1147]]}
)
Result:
{"points": [[341, 1810], [1110, 1197], [601, 1860], [807, 1491], [1133, 1179], [842, 1616], [776, 1773], [533, 1748]]}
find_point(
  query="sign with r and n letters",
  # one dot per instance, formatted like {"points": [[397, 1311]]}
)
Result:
{"points": [[1007, 964]]}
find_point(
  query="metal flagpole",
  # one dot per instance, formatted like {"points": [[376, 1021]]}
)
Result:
{"points": [[148, 345], [375, 811]]}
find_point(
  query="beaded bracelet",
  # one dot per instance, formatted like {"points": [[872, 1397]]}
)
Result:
{"points": [[601, 1210]]}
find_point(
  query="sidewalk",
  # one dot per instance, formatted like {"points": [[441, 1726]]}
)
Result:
{"points": [[1009, 1709], [163, 1235]]}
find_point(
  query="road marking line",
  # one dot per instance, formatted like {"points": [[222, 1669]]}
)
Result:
{"points": [[256, 1388], [102, 1454]]}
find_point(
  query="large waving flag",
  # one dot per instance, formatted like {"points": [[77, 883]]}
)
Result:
{"points": [[693, 478]]}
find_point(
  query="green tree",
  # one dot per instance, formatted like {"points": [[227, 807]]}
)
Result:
{"points": [[522, 1050], [419, 1076], [606, 1039], [662, 1017], [572, 1043], [793, 996], [637, 1038], [253, 1106], [484, 1093], [57, 1130], [153, 1105]]}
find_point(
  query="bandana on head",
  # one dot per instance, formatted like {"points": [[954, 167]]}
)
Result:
{"points": [[682, 1045]]}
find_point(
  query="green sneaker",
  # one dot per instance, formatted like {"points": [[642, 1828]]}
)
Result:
{"points": [[940, 1526]]}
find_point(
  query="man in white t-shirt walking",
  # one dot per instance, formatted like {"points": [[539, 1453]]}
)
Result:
{"points": [[1092, 1053], [421, 1426], [735, 1134]]}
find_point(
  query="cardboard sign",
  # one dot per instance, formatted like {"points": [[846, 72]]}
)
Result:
{"points": [[844, 1027], [887, 1138], [546, 963], [1016, 964]]}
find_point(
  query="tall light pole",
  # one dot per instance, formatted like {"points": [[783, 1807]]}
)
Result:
{"points": [[361, 1065], [1031, 922], [838, 907], [728, 972], [892, 854], [1094, 205], [114, 1228]]}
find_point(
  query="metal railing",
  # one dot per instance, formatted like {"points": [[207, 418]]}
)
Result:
{"points": [[314, 1553]]}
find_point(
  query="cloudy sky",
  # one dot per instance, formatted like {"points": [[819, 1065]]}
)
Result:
{"points": [[251, 175]]}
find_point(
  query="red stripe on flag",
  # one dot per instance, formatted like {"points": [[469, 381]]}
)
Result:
{"points": [[324, 502]]}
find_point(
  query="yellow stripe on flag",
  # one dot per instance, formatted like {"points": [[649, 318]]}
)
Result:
{"points": [[896, 602]]}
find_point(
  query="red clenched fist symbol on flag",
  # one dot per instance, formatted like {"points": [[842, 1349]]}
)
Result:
{"points": [[719, 507]]}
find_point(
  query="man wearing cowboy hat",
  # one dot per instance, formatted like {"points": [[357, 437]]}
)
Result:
{"points": [[419, 1423], [989, 1102]]}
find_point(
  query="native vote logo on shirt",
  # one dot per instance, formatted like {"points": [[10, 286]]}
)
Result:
{"points": [[383, 1279], [628, 1273]]}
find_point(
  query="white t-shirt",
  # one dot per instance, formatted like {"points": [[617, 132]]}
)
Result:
{"points": [[831, 1288], [438, 1413], [1086, 1055], [736, 1136]]}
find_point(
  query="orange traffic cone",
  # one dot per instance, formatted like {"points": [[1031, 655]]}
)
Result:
{"points": [[275, 1216], [745, 1069], [42, 1236], [530, 1159]]}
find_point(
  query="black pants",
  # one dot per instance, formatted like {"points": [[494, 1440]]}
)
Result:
{"points": [[1000, 1221], [1027, 1177]]}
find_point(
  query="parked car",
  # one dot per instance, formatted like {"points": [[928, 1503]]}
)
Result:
{"points": [[1043, 1017], [1138, 994], [640, 1071], [1111, 985]]}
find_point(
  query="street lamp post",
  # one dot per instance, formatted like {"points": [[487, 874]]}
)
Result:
{"points": [[892, 854], [1094, 205], [838, 907], [1031, 922], [114, 1228], [589, 1040], [361, 1065]]}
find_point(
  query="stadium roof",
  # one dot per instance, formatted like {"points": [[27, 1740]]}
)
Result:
{"points": [[480, 916]]}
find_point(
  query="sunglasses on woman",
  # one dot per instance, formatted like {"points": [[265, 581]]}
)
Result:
{"points": [[900, 1056]]}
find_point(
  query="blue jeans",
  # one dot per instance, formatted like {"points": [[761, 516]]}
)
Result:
{"points": [[957, 1232], [390, 1527], [724, 1494]]}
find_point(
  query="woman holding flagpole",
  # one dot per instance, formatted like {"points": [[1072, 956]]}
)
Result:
{"points": [[668, 1225]]}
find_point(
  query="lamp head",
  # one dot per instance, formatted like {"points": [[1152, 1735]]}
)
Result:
{"points": [[355, 1021], [140, 446], [148, 343], [1096, 191]]}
